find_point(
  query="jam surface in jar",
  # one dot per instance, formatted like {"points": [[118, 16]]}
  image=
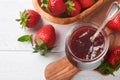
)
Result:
{"points": [[81, 45]]}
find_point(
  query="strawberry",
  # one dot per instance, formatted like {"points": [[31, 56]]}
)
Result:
{"points": [[114, 55], [114, 24], [86, 3], [55, 7], [111, 62], [73, 7], [45, 39], [29, 18]]}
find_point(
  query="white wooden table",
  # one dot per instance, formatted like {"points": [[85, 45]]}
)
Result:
{"points": [[17, 62]]}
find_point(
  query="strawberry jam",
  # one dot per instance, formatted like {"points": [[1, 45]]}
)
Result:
{"points": [[79, 47]]}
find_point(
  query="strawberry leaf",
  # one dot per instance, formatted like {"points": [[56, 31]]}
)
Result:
{"points": [[18, 20], [46, 51], [105, 67], [117, 65], [23, 19], [45, 4], [26, 38], [41, 46], [39, 42], [36, 49], [70, 6]]}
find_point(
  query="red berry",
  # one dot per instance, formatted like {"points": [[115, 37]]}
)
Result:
{"points": [[115, 23], [73, 7], [86, 3], [113, 59], [47, 35], [33, 18], [56, 7], [114, 55], [29, 18]]}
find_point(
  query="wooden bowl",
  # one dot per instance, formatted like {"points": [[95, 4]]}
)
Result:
{"points": [[58, 20]]}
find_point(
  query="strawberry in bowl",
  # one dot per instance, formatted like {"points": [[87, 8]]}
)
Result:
{"points": [[73, 7], [67, 11], [56, 7], [86, 3]]}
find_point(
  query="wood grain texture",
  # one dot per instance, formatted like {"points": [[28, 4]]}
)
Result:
{"points": [[46, 15], [60, 70]]}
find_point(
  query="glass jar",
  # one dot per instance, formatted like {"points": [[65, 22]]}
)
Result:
{"points": [[83, 53]]}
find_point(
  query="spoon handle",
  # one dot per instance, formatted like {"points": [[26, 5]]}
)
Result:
{"points": [[112, 11]]}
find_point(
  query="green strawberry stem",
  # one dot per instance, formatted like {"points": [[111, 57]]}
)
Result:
{"points": [[70, 6], [45, 4], [23, 19], [31, 40], [41, 46]]}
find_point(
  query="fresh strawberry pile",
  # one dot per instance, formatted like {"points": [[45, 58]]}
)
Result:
{"points": [[45, 37], [66, 8]]}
